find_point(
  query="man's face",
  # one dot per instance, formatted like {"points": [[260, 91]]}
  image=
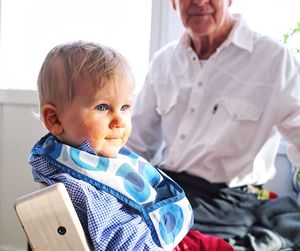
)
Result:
{"points": [[203, 17], [100, 116]]}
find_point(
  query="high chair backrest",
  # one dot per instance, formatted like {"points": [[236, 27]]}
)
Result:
{"points": [[50, 220]]}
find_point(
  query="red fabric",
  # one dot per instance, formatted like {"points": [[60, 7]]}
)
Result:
{"points": [[273, 195], [196, 241]]}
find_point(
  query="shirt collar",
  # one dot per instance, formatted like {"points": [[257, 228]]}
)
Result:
{"points": [[86, 147], [240, 35]]}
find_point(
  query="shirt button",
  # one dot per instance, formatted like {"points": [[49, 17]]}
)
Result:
{"points": [[194, 58], [182, 136], [200, 84], [192, 110]]}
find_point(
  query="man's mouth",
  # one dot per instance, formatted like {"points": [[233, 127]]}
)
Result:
{"points": [[193, 11]]}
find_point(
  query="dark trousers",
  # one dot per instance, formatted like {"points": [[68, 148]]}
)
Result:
{"points": [[239, 217]]}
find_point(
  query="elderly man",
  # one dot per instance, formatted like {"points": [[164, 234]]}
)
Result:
{"points": [[213, 104]]}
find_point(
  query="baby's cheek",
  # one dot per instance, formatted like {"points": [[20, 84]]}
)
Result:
{"points": [[126, 135], [95, 132]]}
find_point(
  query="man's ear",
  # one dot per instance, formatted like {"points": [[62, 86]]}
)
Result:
{"points": [[51, 119], [173, 4]]}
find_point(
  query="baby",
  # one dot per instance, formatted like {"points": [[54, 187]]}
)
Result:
{"points": [[123, 202]]}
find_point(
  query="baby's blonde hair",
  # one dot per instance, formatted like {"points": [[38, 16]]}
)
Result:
{"points": [[70, 64]]}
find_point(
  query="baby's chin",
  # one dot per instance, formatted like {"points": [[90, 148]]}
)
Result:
{"points": [[109, 153]]}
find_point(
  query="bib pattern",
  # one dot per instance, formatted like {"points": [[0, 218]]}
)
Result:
{"points": [[131, 179]]}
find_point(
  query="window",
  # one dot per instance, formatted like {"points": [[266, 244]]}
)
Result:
{"points": [[271, 17], [29, 29]]}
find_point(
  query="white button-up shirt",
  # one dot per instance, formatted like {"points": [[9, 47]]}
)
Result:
{"points": [[219, 119]]}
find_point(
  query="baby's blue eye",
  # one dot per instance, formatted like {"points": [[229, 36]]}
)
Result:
{"points": [[102, 107], [125, 107]]}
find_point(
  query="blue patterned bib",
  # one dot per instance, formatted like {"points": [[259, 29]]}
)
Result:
{"points": [[131, 179]]}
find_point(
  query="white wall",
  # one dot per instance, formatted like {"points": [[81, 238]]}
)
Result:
{"points": [[19, 130]]}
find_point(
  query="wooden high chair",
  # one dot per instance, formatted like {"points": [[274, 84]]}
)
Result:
{"points": [[50, 221]]}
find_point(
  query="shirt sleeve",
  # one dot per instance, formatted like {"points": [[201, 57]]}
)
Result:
{"points": [[288, 100], [111, 225], [146, 136]]}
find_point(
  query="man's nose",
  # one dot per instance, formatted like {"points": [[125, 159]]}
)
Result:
{"points": [[117, 122]]}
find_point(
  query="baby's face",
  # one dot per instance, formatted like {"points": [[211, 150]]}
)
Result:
{"points": [[101, 116]]}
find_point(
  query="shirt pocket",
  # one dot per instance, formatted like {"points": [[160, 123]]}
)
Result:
{"points": [[233, 125], [240, 110], [166, 99]]}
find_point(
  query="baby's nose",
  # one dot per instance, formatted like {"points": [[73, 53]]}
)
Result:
{"points": [[117, 122]]}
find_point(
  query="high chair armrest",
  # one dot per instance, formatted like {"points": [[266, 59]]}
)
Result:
{"points": [[50, 221]]}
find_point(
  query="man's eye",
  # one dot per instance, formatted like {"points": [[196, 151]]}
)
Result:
{"points": [[125, 107], [102, 107]]}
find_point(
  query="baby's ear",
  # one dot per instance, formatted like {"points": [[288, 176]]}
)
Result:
{"points": [[51, 119]]}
